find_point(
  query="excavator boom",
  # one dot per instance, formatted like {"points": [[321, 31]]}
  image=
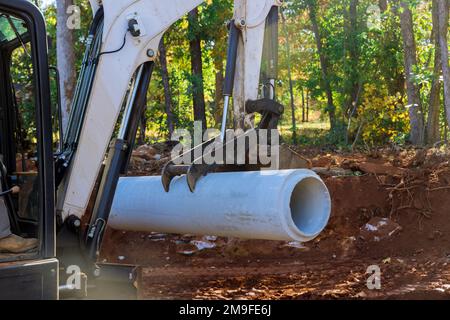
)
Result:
{"points": [[126, 35]]}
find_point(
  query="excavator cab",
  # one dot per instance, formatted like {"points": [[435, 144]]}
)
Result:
{"points": [[26, 153]]}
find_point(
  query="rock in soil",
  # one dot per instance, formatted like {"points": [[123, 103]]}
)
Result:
{"points": [[378, 229]]}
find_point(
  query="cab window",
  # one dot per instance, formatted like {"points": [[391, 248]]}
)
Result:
{"points": [[18, 129]]}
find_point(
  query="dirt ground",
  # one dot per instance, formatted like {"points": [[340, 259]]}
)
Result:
{"points": [[390, 208]]}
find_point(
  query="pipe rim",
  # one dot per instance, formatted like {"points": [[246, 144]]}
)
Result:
{"points": [[295, 223]]}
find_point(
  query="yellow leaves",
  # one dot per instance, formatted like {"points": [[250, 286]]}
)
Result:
{"points": [[385, 115], [51, 20], [184, 24]]}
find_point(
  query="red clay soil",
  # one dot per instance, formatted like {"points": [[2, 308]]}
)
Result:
{"points": [[408, 187]]}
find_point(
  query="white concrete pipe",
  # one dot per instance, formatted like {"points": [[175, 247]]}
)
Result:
{"points": [[275, 205]]}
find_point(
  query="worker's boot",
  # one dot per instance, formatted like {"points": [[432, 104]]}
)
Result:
{"points": [[16, 244]]}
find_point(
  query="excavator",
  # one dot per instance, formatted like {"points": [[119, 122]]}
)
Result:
{"points": [[65, 187]]}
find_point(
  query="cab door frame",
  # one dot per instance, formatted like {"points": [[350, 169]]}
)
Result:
{"points": [[38, 37], [44, 269]]}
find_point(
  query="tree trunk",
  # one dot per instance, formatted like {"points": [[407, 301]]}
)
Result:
{"points": [[383, 5], [195, 49], [352, 48], [445, 128], [331, 109], [433, 131], [218, 95], [166, 84], [142, 128], [307, 105], [391, 42], [409, 47], [303, 106], [65, 55], [291, 84], [443, 40]]}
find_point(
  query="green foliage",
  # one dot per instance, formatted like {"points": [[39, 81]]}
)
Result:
{"points": [[366, 58], [384, 118], [365, 63]]}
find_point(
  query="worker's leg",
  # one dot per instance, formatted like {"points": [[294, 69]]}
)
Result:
{"points": [[11, 243], [5, 230]]}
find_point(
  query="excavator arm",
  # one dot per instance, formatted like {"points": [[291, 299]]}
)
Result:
{"points": [[115, 69], [122, 47], [112, 63]]}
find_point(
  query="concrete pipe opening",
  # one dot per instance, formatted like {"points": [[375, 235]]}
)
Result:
{"points": [[291, 205], [310, 206]]}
